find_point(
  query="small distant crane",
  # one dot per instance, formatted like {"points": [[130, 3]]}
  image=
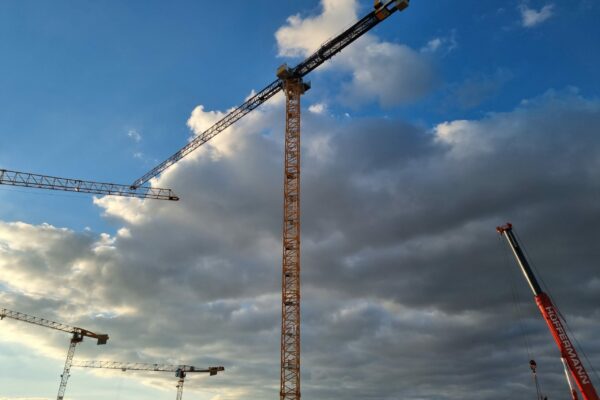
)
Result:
{"points": [[180, 370], [78, 335], [26, 179], [569, 357]]}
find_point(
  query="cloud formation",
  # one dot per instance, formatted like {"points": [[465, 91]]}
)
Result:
{"points": [[531, 17], [406, 285], [134, 135], [385, 72]]}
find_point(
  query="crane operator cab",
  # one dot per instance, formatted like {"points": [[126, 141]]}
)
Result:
{"points": [[180, 373], [382, 11]]}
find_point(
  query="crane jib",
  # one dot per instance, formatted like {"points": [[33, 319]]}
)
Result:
{"points": [[224, 123], [29, 180], [324, 53]]}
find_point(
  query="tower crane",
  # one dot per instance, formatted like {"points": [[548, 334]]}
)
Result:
{"points": [[290, 80], [180, 371], [77, 337], [25, 179], [569, 357]]}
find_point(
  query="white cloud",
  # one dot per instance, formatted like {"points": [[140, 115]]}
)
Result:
{"points": [[380, 71], [432, 46], [531, 17], [134, 135], [318, 108], [446, 44], [387, 72], [302, 36]]}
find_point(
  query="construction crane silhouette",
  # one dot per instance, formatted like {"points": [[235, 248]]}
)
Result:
{"points": [[290, 80], [78, 335], [180, 370], [25, 179]]}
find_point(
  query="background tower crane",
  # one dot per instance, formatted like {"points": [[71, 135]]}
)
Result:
{"points": [[25, 179], [77, 337], [180, 370], [290, 81], [552, 316]]}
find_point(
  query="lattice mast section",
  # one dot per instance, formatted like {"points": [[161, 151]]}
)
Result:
{"points": [[29, 180], [180, 387], [64, 377], [290, 307]]}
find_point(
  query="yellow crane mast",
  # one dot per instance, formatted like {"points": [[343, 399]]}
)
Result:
{"points": [[290, 80]]}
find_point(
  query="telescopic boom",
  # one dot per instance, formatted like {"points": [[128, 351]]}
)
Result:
{"points": [[552, 318]]}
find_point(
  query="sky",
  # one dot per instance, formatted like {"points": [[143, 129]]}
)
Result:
{"points": [[420, 138]]}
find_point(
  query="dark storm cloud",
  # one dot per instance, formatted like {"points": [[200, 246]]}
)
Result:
{"points": [[407, 288]]}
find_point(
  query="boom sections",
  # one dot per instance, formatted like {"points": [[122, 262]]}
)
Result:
{"points": [[125, 366], [552, 318], [77, 332], [25, 179], [324, 53]]}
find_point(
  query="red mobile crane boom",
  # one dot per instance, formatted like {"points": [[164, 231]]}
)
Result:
{"points": [[551, 315]]}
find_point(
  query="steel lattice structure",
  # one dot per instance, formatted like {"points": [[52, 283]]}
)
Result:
{"points": [[25, 179], [290, 307], [324, 53], [180, 370], [125, 366], [78, 335], [290, 80]]}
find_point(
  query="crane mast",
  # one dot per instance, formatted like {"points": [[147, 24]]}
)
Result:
{"points": [[181, 376], [180, 371], [77, 337], [290, 80], [26, 179], [290, 308], [569, 355]]}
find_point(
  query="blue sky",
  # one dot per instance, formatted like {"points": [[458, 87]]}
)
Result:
{"points": [[77, 79], [447, 116]]}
